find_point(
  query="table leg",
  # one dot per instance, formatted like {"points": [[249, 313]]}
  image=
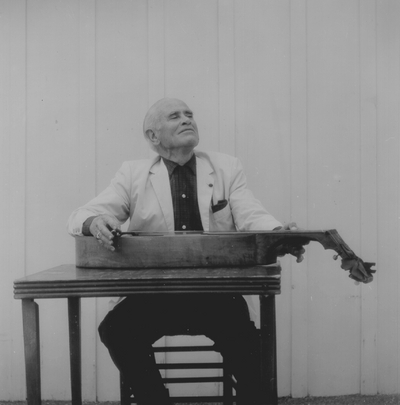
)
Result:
{"points": [[30, 319], [268, 349], [74, 318]]}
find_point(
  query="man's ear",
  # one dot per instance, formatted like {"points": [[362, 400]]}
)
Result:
{"points": [[151, 135]]}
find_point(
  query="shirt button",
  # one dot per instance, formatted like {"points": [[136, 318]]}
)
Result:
{"points": [[183, 195], [210, 185], [183, 226]]}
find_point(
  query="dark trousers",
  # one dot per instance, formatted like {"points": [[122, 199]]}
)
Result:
{"points": [[129, 330]]}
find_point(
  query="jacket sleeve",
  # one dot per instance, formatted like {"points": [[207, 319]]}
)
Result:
{"points": [[248, 212], [114, 200]]}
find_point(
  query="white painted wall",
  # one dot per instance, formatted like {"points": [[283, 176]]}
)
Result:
{"points": [[305, 92]]}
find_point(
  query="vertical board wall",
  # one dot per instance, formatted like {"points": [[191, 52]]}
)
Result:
{"points": [[305, 92]]}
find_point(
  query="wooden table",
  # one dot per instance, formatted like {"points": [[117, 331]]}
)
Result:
{"points": [[71, 282]]}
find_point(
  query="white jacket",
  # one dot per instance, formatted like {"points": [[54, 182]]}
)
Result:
{"points": [[141, 192]]}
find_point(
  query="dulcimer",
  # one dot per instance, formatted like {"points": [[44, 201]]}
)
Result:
{"points": [[190, 249]]}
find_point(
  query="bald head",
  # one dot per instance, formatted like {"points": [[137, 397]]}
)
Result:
{"points": [[153, 115], [169, 125]]}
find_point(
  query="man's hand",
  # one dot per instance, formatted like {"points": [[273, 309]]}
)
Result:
{"points": [[101, 228], [296, 251]]}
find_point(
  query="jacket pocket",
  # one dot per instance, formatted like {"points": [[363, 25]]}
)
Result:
{"points": [[222, 220], [219, 206]]}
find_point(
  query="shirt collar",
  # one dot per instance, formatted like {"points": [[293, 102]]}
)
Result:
{"points": [[191, 164]]}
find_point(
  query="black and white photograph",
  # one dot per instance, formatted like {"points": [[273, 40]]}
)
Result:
{"points": [[200, 202]]}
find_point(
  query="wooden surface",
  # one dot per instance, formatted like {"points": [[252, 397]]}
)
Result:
{"points": [[30, 317], [71, 281], [201, 249], [170, 250]]}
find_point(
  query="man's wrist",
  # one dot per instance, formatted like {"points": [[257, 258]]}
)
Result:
{"points": [[86, 226]]}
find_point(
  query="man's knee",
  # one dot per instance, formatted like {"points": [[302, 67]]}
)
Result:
{"points": [[233, 313], [104, 330]]}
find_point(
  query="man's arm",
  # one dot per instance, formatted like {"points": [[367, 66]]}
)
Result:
{"points": [[248, 212], [105, 212]]}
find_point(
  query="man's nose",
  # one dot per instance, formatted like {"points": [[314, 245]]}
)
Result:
{"points": [[186, 120]]}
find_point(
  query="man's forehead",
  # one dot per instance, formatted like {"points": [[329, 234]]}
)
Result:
{"points": [[173, 106]]}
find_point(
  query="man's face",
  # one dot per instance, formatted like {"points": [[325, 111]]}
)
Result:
{"points": [[176, 127]]}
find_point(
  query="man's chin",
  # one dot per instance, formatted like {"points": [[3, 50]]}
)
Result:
{"points": [[189, 133], [190, 139]]}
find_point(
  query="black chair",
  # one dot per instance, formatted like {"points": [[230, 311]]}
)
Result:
{"points": [[228, 381]]}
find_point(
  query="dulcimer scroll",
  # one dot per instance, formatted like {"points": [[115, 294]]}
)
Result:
{"points": [[143, 250]]}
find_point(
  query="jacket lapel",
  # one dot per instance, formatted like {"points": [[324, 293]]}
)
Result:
{"points": [[205, 185], [160, 182]]}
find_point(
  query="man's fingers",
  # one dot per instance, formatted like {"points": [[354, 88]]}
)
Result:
{"points": [[105, 241], [291, 226], [101, 229], [298, 252]]}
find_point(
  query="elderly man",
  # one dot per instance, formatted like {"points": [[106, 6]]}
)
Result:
{"points": [[182, 189]]}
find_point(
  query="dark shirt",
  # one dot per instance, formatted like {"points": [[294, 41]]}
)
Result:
{"points": [[183, 182]]}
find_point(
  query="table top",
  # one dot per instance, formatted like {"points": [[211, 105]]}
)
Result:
{"points": [[70, 281]]}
